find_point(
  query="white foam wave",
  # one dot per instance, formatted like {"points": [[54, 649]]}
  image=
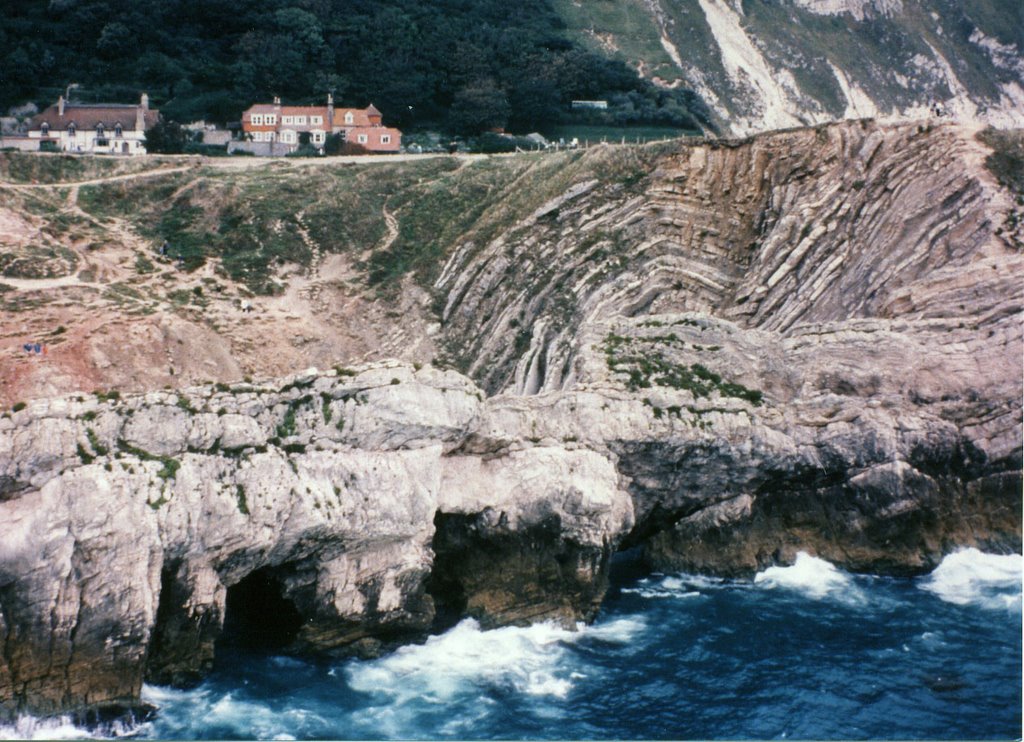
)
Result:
{"points": [[972, 577], [241, 718], [463, 667], [674, 587], [524, 659], [62, 727], [619, 631], [466, 665], [656, 593], [29, 727], [812, 577]]}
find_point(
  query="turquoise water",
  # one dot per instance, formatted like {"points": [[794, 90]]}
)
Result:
{"points": [[806, 651]]}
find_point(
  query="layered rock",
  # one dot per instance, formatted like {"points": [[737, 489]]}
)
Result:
{"points": [[723, 355]]}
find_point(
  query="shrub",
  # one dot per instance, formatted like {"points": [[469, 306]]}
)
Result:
{"points": [[94, 441], [243, 505], [287, 426], [169, 469]]}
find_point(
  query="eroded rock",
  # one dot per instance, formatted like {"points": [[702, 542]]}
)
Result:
{"points": [[806, 341]]}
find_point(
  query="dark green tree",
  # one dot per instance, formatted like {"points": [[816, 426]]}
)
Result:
{"points": [[166, 137], [479, 108]]}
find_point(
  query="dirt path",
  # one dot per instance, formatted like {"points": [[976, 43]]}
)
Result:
{"points": [[245, 163], [94, 181], [391, 223], [41, 284], [250, 163]]}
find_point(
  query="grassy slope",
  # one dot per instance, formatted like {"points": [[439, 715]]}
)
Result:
{"points": [[241, 232], [868, 51], [250, 221], [57, 168], [628, 26]]}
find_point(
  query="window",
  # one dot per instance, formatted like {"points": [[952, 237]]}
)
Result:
{"points": [[256, 119], [286, 120], [117, 130], [316, 120], [71, 129], [45, 128], [385, 139], [300, 120], [318, 137], [349, 118], [270, 118], [288, 136], [362, 138]]}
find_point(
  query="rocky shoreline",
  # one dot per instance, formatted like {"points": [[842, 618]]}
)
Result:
{"points": [[385, 504], [841, 379]]}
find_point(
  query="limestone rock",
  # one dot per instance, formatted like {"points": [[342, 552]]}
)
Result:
{"points": [[806, 341]]}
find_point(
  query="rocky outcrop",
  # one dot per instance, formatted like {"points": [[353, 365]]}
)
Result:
{"points": [[736, 351], [129, 523], [779, 233]]}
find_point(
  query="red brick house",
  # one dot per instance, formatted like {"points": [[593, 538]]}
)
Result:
{"points": [[281, 126]]}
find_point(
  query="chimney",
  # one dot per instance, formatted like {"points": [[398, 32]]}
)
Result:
{"points": [[60, 106], [144, 101], [330, 112]]}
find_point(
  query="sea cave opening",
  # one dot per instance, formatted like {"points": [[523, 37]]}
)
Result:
{"points": [[257, 614]]}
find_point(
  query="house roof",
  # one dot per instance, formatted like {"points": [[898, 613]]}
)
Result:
{"points": [[90, 116], [360, 116]]}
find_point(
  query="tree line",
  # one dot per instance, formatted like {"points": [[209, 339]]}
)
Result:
{"points": [[464, 66]]}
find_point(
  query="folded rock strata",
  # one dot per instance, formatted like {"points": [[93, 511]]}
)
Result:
{"points": [[809, 340]]}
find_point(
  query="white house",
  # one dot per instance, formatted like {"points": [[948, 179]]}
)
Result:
{"points": [[103, 128]]}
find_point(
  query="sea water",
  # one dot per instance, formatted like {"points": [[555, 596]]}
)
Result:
{"points": [[806, 651]]}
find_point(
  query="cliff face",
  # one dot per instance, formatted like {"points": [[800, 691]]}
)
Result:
{"points": [[719, 353], [778, 234], [128, 522], [769, 65]]}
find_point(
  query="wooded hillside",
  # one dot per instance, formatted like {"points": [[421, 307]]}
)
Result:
{"points": [[463, 65]]}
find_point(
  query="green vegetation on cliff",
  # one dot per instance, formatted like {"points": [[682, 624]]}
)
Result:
{"points": [[644, 365], [255, 222]]}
